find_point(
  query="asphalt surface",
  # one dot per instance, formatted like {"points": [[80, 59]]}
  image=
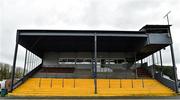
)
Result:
{"points": [[96, 98]]}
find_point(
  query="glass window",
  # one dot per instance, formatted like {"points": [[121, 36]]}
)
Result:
{"points": [[79, 61], [62, 61], [87, 61], [120, 61], [112, 61], [71, 61], [66, 61], [107, 61]]}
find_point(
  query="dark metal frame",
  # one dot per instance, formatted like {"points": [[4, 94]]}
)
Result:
{"points": [[82, 33], [23, 79], [172, 54], [162, 68], [173, 62], [91, 33], [14, 61], [95, 63], [136, 75], [153, 65], [14, 84], [25, 63]]}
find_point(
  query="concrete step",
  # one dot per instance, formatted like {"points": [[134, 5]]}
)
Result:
{"points": [[85, 87]]}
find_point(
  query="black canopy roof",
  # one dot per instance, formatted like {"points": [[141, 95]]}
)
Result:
{"points": [[40, 41]]}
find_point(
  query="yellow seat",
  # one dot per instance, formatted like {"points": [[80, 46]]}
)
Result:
{"points": [[84, 83], [85, 87], [138, 83], [45, 83], [126, 83], [57, 83]]}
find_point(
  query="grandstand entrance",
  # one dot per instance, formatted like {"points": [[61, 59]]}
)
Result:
{"points": [[91, 63]]}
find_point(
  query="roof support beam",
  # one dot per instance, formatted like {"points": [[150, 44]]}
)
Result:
{"points": [[162, 68], [25, 63], [153, 66], [120, 34], [14, 67], [95, 63]]}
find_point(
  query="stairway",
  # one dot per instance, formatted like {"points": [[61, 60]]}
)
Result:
{"points": [[85, 87]]}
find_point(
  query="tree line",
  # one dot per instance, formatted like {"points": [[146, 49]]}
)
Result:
{"points": [[6, 71]]}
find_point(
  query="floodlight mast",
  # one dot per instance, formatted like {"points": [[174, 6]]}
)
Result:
{"points": [[172, 54]]}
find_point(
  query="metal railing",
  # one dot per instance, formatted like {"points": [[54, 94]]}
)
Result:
{"points": [[109, 83]]}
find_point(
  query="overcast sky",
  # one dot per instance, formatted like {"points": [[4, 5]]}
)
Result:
{"points": [[83, 14]]}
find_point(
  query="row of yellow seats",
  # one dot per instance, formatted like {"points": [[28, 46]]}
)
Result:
{"points": [[89, 83], [80, 87]]}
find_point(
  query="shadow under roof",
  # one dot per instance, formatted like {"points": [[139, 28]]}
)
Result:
{"points": [[40, 41]]}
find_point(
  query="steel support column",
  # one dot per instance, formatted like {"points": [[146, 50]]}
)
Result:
{"points": [[14, 65], [29, 57], [95, 63], [174, 69], [136, 75], [153, 65], [174, 63], [92, 68], [27, 67], [141, 62], [161, 64], [33, 62], [30, 61], [172, 55], [25, 61], [157, 58]]}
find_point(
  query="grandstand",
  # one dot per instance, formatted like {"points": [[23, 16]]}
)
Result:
{"points": [[93, 63]]}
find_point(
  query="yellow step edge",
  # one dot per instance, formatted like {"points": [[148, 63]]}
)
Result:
{"points": [[85, 87]]}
